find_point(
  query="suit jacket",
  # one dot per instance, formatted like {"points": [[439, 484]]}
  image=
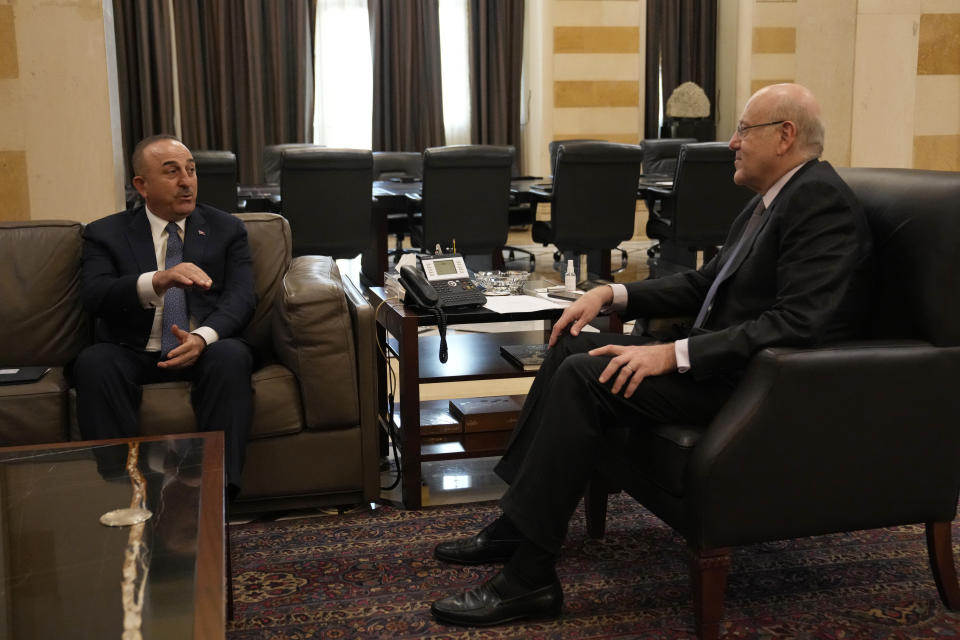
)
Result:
{"points": [[118, 248], [804, 280]]}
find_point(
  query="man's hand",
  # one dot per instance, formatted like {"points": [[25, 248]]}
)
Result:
{"points": [[183, 275], [191, 346], [631, 364], [581, 312]]}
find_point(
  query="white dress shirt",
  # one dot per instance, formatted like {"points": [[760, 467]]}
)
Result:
{"points": [[145, 292]]}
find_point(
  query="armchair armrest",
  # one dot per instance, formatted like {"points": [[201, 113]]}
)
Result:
{"points": [[364, 336], [831, 439], [314, 337]]}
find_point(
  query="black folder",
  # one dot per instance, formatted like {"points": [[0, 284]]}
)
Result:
{"points": [[14, 375]]}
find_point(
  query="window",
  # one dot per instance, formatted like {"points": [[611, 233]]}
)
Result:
{"points": [[455, 70], [343, 75]]}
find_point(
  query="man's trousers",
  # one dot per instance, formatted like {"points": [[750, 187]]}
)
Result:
{"points": [[558, 438]]}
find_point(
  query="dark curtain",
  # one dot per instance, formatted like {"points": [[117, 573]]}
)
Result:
{"points": [[681, 43], [407, 98], [145, 70], [496, 61], [246, 76]]}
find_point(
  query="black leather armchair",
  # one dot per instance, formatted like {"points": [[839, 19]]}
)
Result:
{"points": [[839, 438], [326, 196], [466, 197], [593, 202], [696, 213], [217, 173]]}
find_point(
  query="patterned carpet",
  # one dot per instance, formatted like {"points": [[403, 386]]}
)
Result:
{"points": [[372, 575]]}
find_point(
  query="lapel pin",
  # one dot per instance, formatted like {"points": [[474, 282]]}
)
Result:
{"points": [[201, 232]]}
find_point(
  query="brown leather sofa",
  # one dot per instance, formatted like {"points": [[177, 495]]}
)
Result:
{"points": [[314, 435]]}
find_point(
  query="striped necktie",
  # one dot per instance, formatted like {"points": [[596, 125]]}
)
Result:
{"points": [[727, 269], [175, 298]]}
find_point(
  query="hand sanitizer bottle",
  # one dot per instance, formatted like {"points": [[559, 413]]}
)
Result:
{"points": [[570, 278]]}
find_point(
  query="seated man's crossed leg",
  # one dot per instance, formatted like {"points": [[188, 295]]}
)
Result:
{"points": [[548, 464]]}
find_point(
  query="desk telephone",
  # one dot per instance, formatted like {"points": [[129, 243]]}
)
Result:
{"points": [[447, 284]]}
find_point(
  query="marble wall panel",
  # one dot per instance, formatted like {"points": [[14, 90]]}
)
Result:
{"points": [[939, 51], [14, 193], [591, 66], [774, 39], [595, 93], [941, 153], [8, 44], [596, 39]]}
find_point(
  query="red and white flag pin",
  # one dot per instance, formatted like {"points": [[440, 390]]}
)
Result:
{"points": [[201, 232]]}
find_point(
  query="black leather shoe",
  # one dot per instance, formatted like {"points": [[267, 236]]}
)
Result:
{"points": [[483, 606], [482, 548]]}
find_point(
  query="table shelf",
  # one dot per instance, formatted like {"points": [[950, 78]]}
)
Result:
{"points": [[472, 356]]}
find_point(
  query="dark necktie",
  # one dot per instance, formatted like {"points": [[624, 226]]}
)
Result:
{"points": [[746, 237], [175, 298]]}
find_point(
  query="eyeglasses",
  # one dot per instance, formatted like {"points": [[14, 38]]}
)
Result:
{"points": [[741, 128]]}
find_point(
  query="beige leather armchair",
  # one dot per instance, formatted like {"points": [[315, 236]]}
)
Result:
{"points": [[314, 436]]}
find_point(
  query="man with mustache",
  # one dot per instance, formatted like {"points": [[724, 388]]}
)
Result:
{"points": [[170, 288], [795, 271]]}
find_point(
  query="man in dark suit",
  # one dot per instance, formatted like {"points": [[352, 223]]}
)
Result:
{"points": [[170, 285], [794, 271]]}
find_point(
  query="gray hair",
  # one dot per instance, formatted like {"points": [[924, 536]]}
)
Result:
{"points": [[810, 129]]}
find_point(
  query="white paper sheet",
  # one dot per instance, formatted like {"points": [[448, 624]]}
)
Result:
{"points": [[514, 304]]}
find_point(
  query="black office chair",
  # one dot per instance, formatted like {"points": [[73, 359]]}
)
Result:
{"points": [[696, 213], [405, 166], [326, 196], [660, 162], [848, 436], [217, 179], [593, 202], [273, 158], [554, 149], [465, 197], [660, 155], [520, 216]]}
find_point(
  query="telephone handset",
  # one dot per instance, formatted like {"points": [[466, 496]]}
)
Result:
{"points": [[419, 292], [443, 284]]}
